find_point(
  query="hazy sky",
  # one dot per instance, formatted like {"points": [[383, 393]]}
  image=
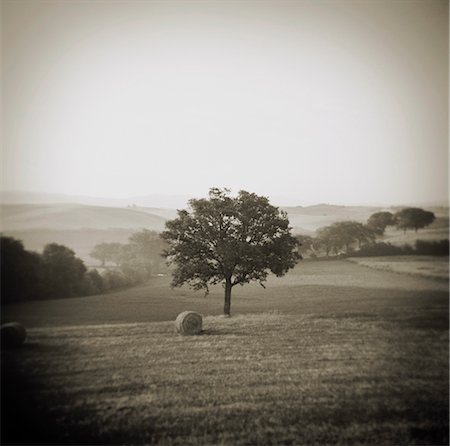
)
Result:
{"points": [[315, 101]]}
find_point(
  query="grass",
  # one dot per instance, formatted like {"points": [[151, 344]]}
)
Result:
{"points": [[312, 287], [434, 232], [423, 266], [328, 361]]}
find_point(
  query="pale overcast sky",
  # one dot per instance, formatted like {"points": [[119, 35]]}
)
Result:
{"points": [[316, 101]]}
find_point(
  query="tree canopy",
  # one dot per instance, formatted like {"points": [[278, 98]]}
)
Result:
{"points": [[63, 271], [106, 252], [414, 218], [344, 234], [380, 220], [229, 240], [20, 271]]}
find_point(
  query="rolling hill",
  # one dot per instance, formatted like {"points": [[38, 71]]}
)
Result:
{"points": [[76, 216], [78, 226], [82, 226]]}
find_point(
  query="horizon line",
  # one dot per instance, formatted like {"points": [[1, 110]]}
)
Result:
{"points": [[128, 201]]}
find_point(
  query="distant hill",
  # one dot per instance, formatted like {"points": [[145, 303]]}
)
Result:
{"points": [[76, 216], [80, 240], [309, 218], [81, 227], [150, 200], [72, 216]]}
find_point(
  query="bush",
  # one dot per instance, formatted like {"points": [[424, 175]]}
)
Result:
{"points": [[92, 283], [432, 248], [115, 279], [422, 247], [380, 249]]}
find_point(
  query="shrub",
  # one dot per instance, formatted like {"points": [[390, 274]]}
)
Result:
{"points": [[432, 248], [380, 249], [115, 279]]}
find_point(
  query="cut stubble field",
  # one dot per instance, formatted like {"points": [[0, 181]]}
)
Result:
{"points": [[333, 353], [420, 266]]}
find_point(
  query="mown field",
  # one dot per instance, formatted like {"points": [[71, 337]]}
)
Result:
{"points": [[422, 266], [334, 353]]}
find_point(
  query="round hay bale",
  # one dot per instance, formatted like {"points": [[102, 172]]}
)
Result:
{"points": [[13, 335], [189, 323]]}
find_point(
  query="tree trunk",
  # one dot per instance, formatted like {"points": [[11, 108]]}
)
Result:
{"points": [[226, 308]]}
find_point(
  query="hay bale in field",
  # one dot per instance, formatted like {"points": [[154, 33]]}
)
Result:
{"points": [[189, 323], [13, 335]]}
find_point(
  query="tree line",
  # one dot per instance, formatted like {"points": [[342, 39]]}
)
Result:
{"points": [[58, 273], [346, 237], [138, 259], [248, 221]]}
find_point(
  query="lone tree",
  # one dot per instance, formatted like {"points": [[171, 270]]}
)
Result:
{"points": [[413, 218], [229, 240]]}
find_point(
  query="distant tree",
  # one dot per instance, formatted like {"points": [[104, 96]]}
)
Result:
{"points": [[432, 247], [309, 245], [148, 247], [328, 240], [344, 234], [141, 256], [115, 279], [106, 252], [20, 272], [413, 218], [93, 283], [134, 266], [56, 273], [63, 273], [229, 240], [379, 221], [364, 234], [137, 260], [306, 244]]}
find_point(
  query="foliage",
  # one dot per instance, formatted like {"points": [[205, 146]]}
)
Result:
{"points": [[344, 234], [93, 283], [414, 218], [328, 240], [20, 271], [58, 273], [144, 252], [382, 249], [379, 221], [63, 273], [308, 245], [137, 260], [421, 247], [115, 279], [54, 274], [229, 240], [106, 252], [432, 248]]}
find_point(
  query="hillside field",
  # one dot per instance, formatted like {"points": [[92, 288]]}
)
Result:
{"points": [[422, 266], [333, 353]]}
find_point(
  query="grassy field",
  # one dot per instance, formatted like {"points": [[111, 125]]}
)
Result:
{"points": [[422, 266], [334, 353], [439, 230]]}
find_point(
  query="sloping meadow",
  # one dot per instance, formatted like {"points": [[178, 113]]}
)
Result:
{"points": [[270, 378]]}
